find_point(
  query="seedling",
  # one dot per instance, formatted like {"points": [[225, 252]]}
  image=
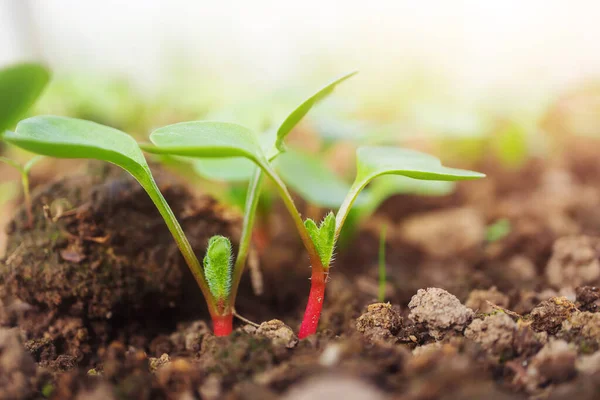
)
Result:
{"points": [[24, 171], [208, 139], [64, 137]]}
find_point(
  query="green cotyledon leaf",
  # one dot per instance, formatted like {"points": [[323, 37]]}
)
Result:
{"points": [[374, 161], [20, 86], [218, 266], [206, 139], [323, 236], [64, 137]]}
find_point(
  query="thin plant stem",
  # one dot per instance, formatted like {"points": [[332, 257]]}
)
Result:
{"points": [[182, 242], [382, 271], [27, 196], [252, 198], [313, 255]]}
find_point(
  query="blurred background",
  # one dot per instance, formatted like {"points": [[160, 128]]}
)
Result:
{"points": [[457, 53], [466, 80]]}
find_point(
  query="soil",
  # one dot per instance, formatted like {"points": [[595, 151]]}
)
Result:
{"points": [[97, 303]]}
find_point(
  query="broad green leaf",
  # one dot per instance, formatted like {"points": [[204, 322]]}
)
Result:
{"points": [[376, 161], [296, 116], [65, 137], [20, 86], [217, 266], [323, 236], [308, 176], [207, 139], [234, 169]]}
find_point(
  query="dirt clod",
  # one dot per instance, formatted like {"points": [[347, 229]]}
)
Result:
{"points": [[443, 234], [575, 262], [588, 298], [549, 315], [17, 368], [553, 364], [583, 328], [439, 312], [337, 386], [478, 300], [279, 333], [380, 322], [495, 333]]}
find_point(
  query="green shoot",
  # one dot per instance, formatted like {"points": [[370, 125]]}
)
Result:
{"points": [[323, 236], [217, 267], [24, 172], [382, 271]]}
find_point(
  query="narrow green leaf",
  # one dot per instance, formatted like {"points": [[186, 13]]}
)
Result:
{"points": [[234, 169], [296, 116], [217, 266], [206, 139], [20, 86], [323, 236]]}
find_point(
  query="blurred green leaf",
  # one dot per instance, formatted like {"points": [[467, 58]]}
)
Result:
{"points": [[308, 176], [235, 169], [510, 145], [498, 230], [20, 86]]}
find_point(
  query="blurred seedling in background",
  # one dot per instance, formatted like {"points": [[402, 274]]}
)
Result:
{"points": [[382, 266], [24, 172], [20, 87]]}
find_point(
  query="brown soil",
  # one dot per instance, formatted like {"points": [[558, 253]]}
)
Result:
{"points": [[96, 302]]}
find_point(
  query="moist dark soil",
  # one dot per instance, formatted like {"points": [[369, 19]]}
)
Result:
{"points": [[97, 303]]}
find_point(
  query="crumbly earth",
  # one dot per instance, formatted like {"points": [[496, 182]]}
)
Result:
{"points": [[96, 302]]}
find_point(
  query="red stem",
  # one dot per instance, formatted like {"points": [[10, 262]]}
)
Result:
{"points": [[222, 324], [315, 304]]}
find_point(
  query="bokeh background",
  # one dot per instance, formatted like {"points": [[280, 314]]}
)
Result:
{"points": [[465, 80]]}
